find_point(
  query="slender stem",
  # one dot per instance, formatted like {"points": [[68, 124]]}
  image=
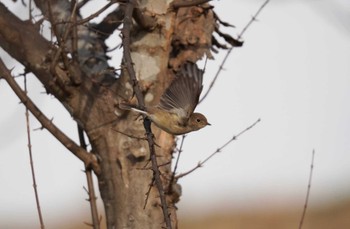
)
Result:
{"points": [[176, 163], [88, 159], [90, 183], [96, 14], [221, 67], [41, 220], [183, 3], [218, 150], [308, 190]]}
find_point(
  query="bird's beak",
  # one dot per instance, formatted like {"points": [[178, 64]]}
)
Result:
{"points": [[208, 124]]}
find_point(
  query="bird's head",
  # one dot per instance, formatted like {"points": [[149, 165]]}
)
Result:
{"points": [[197, 121]]}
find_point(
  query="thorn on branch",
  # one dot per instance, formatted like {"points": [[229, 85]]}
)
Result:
{"points": [[39, 128], [148, 192], [254, 19], [164, 164]]}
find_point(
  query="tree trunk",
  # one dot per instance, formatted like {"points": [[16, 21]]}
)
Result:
{"points": [[131, 199], [125, 175]]}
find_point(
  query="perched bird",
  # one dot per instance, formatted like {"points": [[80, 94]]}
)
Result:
{"points": [[174, 113]]}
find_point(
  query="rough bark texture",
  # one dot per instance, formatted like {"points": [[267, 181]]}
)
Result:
{"points": [[125, 177]]}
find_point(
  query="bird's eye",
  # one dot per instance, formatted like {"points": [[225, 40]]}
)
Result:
{"points": [[198, 120]]}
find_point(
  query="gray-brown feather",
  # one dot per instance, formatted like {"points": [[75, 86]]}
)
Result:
{"points": [[182, 95]]}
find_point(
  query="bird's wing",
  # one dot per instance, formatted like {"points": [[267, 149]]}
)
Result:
{"points": [[182, 96]]}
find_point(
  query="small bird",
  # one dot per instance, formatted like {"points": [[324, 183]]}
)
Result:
{"points": [[174, 113]]}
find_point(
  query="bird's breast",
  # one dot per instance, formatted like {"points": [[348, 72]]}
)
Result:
{"points": [[169, 122]]}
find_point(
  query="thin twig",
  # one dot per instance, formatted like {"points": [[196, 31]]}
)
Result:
{"points": [[308, 190], [147, 123], [92, 16], [75, 75], [129, 135], [109, 24], [30, 11], [148, 192], [59, 52], [88, 159], [218, 150], [82, 3], [127, 55], [90, 183], [41, 220], [183, 3], [221, 67], [176, 163]]}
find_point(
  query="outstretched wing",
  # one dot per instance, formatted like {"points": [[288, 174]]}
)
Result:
{"points": [[182, 96]]}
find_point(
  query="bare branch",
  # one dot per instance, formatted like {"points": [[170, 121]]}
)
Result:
{"points": [[41, 220], [88, 159], [92, 16], [218, 150], [130, 136], [127, 54], [110, 23], [183, 3], [23, 42], [176, 163], [91, 50], [308, 190], [148, 192], [221, 67], [91, 189], [75, 74]]}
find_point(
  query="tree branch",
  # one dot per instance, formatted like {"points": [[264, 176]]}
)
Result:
{"points": [[110, 23], [90, 183], [176, 164], [221, 67], [37, 201], [308, 190], [96, 14], [88, 159], [218, 150], [183, 3], [22, 41]]}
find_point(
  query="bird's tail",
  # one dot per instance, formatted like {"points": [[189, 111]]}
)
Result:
{"points": [[126, 106]]}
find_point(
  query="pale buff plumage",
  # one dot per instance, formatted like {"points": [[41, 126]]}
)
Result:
{"points": [[174, 113]]}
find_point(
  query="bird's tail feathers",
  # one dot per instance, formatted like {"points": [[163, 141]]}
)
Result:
{"points": [[126, 106]]}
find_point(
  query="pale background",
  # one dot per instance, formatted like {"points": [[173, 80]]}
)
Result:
{"points": [[293, 72]]}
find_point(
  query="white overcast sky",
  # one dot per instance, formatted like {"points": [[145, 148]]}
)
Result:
{"points": [[293, 72]]}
